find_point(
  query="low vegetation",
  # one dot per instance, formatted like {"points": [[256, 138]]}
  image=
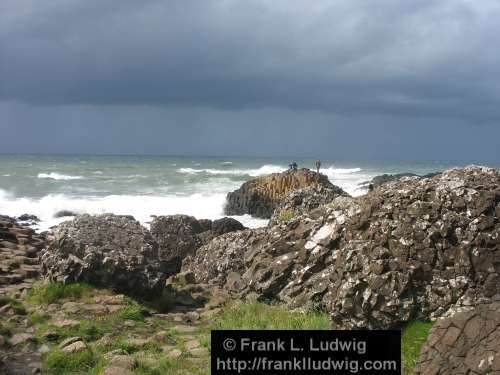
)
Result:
{"points": [[258, 315], [47, 293], [57, 362], [286, 215], [115, 332], [412, 339]]}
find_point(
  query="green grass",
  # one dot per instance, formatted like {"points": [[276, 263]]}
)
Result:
{"points": [[133, 311], [46, 293], [5, 329], [413, 337], [89, 330], [57, 362], [38, 318], [16, 305], [286, 215], [258, 315], [164, 366]]}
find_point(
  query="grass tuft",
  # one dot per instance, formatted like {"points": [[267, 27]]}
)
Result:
{"points": [[47, 293], [413, 337], [286, 215], [133, 311], [58, 362], [258, 315]]}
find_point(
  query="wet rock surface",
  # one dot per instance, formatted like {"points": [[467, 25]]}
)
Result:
{"points": [[411, 249], [261, 196], [465, 344]]}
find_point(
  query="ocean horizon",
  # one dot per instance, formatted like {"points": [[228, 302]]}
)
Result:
{"points": [[145, 185]]}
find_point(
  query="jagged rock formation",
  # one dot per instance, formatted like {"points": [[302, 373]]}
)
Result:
{"points": [[19, 247], [412, 249], [466, 344], [181, 235], [117, 252], [382, 179], [261, 196], [304, 200], [105, 250]]}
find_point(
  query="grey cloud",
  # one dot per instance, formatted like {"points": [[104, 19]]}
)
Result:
{"points": [[412, 58]]}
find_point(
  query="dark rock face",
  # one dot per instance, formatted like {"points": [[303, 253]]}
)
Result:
{"points": [[304, 200], [465, 344], [179, 236], [176, 236], [117, 252], [64, 213], [412, 249], [106, 250], [29, 218], [225, 225], [261, 196]]}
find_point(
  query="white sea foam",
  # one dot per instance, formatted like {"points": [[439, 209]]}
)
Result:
{"points": [[265, 169], [58, 176], [140, 206]]}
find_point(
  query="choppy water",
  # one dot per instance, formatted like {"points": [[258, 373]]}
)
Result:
{"points": [[155, 185]]}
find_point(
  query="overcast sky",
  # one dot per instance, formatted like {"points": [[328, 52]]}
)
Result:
{"points": [[347, 79]]}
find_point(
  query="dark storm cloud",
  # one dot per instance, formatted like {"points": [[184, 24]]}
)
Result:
{"points": [[417, 58]]}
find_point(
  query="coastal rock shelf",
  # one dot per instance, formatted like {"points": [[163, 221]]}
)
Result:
{"points": [[261, 196], [467, 343]]}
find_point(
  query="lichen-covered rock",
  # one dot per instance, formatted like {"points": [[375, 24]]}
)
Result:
{"points": [[411, 249], [303, 200], [107, 250], [467, 343], [418, 249], [261, 196]]}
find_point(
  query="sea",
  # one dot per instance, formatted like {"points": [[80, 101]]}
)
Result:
{"points": [[142, 186]]}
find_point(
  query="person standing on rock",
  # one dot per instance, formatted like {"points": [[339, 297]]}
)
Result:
{"points": [[318, 165]]}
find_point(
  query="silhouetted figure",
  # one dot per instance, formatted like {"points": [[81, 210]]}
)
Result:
{"points": [[370, 187], [318, 165], [294, 166]]}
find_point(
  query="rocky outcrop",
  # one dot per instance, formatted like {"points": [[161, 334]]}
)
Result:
{"points": [[106, 250], [179, 236], [301, 201], [117, 252], [261, 196], [19, 247], [465, 344], [382, 179], [412, 249]]}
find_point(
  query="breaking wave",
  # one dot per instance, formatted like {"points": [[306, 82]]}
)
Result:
{"points": [[57, 176]]}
